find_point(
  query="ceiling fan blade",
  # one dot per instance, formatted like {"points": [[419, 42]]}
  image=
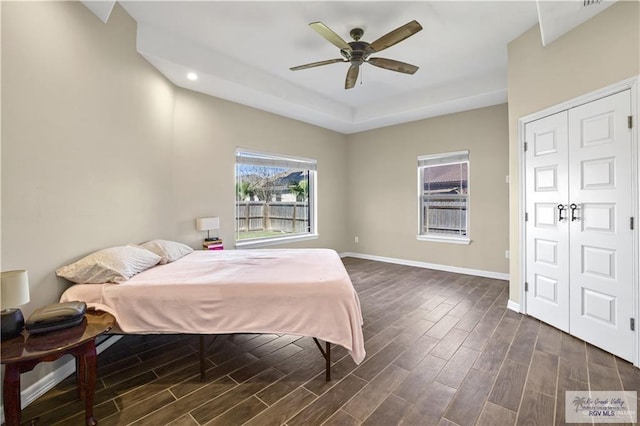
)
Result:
{"points": [[328, 34], [352, 77], [316, 64], [396, 36], [390, 64]]}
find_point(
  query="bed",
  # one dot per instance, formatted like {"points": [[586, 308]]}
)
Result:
{"points": [[304, 292]]}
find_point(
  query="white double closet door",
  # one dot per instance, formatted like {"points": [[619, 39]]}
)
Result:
{"points": [[579, 204]]}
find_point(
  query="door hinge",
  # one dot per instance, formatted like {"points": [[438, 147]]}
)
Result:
{"points": [[526, 217], [630, 121], [526, 146], [526, 286], [631, 223], [632, 324]]}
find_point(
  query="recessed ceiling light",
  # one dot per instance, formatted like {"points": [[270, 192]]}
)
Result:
{"points": [[192, 76]]}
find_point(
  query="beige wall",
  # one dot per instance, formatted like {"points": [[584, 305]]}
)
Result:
{"points": [[600, 52], [383, 192], [99, 149], [207, 132], [86, 141]]}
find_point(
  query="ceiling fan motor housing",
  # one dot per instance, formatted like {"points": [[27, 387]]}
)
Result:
{"points": [[360, 51]]}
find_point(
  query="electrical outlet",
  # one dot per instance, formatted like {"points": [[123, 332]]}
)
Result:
{"points": [[507, 179], [506, 254], [356, 239]]}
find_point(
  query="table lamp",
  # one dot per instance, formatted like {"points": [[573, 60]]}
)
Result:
{"points": [[14, 287], [207, 224]]}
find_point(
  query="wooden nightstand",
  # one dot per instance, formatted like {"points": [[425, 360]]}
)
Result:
{"points": [[24, 352]]}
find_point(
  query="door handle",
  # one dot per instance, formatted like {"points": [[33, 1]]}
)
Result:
{"points": [[573, 208], [561, 208]]}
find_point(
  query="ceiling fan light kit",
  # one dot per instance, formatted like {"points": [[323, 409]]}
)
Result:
{"points": [[357, 52]]}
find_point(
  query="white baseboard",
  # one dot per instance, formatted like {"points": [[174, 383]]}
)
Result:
{"points": [[437, 267], [46, 383], [513, 306]]}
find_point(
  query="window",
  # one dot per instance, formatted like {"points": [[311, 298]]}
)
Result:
{"points": [[443, 188], [275, 198]]}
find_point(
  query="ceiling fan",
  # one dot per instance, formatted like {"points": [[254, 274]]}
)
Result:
{"points": [[357, 52]]}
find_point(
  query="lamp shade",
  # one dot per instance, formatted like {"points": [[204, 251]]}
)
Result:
{"points": [[15, 289], [207, 223]]}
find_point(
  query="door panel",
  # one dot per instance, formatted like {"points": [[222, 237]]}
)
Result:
{"points": [[598, 306], [546, 235], [601, 242], [599, 217], [598, 173]]}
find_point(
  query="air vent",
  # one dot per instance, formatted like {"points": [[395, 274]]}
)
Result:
{"points": [[591, 2]]}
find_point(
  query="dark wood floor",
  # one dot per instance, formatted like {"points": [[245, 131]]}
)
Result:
{"points": [[442, 349]]}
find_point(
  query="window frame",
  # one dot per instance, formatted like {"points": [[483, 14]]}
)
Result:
{"points": [[278, 160], [445, 158]]}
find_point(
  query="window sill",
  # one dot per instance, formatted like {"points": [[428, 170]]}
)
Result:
{"points": [[275, 241], [450, 240]]}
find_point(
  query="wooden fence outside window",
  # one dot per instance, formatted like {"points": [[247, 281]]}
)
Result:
{"points": [[277, 216]]}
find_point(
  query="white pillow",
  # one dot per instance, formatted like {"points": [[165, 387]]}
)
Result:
{"points": [[169, 251], [111, 265]]}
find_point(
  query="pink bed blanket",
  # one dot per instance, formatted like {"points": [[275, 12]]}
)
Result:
{"points": [[305, 292]]}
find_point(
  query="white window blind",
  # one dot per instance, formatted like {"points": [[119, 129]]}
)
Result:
{"points": [[269, 160], [441, 159]]}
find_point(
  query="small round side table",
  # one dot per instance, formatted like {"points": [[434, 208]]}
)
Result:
{"points": [[24, 352]]}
